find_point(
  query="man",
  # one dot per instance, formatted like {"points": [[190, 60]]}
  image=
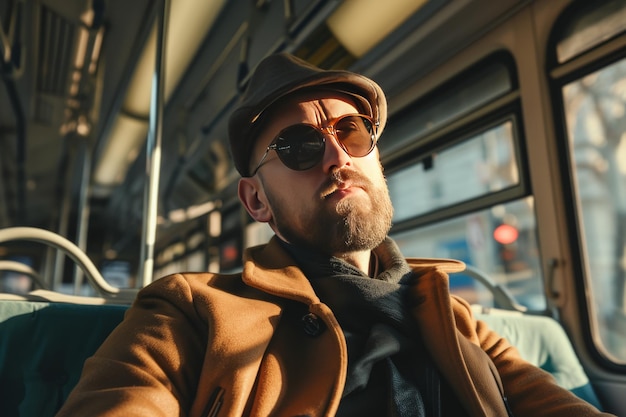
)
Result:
{"points": [[327, 318]]}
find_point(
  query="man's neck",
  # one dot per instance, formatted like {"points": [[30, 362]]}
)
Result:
{"points": [[365, 261], [384, 262], [360, 260]]}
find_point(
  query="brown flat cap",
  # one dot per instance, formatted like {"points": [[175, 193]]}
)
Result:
{"points": [[280, 75]]}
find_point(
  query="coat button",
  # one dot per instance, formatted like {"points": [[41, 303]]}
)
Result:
{"points": [[313, 326]]}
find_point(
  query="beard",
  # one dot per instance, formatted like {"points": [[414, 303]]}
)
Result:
{"points": [[355, 223]]}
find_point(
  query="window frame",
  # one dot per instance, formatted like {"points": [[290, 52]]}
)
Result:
{"points": [[520, 190], [485, 115], [559, 75]]}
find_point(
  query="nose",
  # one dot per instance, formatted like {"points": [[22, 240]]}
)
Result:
{"points": [[335, 156]]}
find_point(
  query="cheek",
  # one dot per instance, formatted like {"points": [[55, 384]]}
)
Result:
{"points": [[293, 196], [370, 166]]}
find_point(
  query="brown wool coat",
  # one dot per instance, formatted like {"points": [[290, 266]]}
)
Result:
{"points": [[206, 344]]}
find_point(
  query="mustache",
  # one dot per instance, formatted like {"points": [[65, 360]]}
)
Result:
{"points": [[339, 177]]}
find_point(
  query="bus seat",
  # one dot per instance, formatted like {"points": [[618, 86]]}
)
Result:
{"points": [[43, 347], [542, 341]]}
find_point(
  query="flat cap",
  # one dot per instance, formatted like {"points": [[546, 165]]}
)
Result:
{"points": [[282, 74]]}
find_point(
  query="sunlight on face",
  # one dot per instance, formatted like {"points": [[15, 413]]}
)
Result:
{"points": [[342, 204]]}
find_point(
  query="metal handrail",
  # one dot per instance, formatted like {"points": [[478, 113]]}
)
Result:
{"points": [[70, 249], [501, 295]]}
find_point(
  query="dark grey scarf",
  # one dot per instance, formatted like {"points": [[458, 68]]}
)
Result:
{"points": [[389, 372]]}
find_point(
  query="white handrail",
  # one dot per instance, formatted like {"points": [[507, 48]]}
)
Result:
{"points": [[52, 239], [21, 268], [500, 294]]}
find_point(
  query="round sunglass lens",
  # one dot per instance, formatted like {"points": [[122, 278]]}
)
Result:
{"points": [[356, 134], [300, 147]]}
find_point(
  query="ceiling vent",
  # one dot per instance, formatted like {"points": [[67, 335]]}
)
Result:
{"points": [[55, 45]]}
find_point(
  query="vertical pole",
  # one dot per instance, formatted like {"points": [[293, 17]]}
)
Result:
{"points": [[82, 224], [64, 215], [153, 151]]}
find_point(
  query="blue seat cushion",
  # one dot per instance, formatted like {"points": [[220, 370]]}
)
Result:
{"points": [[543, 342]]}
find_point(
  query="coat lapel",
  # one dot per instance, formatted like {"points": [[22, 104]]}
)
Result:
{"points": [[462, 363], [270, 269]]}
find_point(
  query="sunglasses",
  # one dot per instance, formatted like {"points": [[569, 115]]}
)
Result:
{"points": [[301, 146]]}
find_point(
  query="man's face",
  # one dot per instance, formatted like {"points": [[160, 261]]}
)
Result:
{"points": [[339, 206]]}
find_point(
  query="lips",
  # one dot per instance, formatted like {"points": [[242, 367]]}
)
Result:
{"points": [[343, 189], [343, 180]]}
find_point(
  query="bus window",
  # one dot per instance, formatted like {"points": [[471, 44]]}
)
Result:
{"points": [[476, 167], [594, 109], [593, 94], [467, 198], [500, 241]]}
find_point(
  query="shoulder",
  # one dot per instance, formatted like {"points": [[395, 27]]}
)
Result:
{"points": [[192, 286], [203, 293], [186, 286]]}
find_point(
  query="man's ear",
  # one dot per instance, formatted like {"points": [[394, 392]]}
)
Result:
{"points": [[253, 198]]}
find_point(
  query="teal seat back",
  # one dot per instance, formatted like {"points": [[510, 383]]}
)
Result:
{"points": [[42, 350]]}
